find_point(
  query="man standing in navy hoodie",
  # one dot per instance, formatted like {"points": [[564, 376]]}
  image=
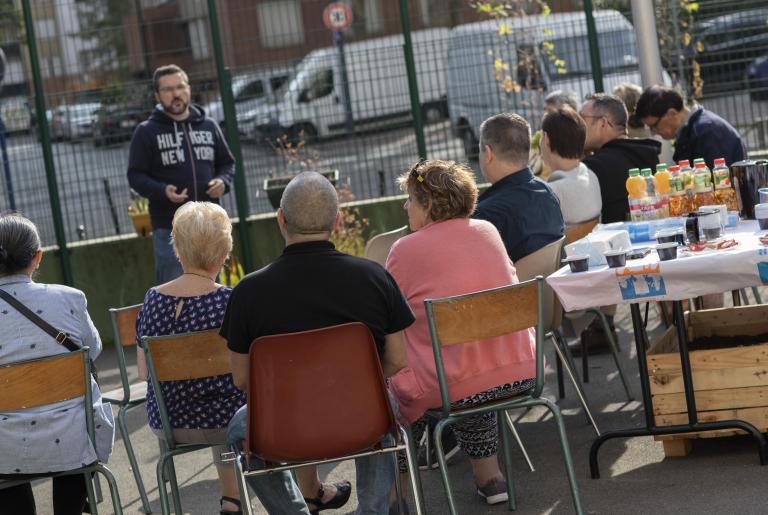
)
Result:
{"points": [[177, 155]]}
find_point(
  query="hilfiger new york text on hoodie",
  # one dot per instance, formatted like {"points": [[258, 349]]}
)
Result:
{"points": [[187, 154]]}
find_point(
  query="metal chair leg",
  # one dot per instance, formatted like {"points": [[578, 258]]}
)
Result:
{"points": [[400, 498], [566, 452], [614, 349], [242, 487], [756, 294], [559, 341], [413, 469], [92, 501], [443, 464], [513, 430], [113, 491], [125, 435], [165, 508], [560, 381], [507, 459]]}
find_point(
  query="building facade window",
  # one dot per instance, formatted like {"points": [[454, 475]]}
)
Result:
{"points": [[280, 23], [198, 39]]}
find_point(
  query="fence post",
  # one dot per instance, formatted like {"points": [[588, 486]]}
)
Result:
{"points": [[413, 83], [45, 138], [594, 48], [233, 137], [644, 20]]}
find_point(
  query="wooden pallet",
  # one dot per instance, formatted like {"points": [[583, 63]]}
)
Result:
{"points": [[729, 383]]}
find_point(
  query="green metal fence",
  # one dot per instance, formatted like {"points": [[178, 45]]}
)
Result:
{"points": [[360, 115]]}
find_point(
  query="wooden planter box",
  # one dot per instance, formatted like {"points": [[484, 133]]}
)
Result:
{"points": [[276, 185], [729, 383], [141, 223]]}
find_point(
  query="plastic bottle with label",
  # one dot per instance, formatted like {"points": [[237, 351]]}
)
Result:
{"points": [[724, 192], [702, 184], [635, 193], [679, 203], [662, 179], [649, 204], [686, 172]]}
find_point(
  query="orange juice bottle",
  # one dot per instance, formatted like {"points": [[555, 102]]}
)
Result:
{"points": [[686, 172], [702, 184], [635, 192], [662, 179]]}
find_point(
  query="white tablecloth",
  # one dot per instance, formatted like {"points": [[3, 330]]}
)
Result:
{"points": [[688, 276]]}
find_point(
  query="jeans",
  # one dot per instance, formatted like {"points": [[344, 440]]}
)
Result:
{"points": [[167, 266], [279, 493]]}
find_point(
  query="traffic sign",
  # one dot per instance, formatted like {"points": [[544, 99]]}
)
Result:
{"points": [[337, 16]]}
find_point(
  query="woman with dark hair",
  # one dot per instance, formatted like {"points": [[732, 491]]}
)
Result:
{"points": [[449, 254], [54, 437]]}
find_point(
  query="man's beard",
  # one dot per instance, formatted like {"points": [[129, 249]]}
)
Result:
{"points": [[169, 108]]}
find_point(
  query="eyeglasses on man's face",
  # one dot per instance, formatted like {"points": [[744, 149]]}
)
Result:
{"points": [[178, 88]]}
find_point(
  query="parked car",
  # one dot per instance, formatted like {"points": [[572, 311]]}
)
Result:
{"points": [[731, 42], [249, 91], [757, 78], [73, 121], [116, 123], [16, 114]]}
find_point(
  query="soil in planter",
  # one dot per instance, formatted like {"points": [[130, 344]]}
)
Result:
{"points": [[724, 342]]}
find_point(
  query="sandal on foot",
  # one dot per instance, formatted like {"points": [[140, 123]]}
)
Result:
{"points": [[232, 500], [343, 491]]}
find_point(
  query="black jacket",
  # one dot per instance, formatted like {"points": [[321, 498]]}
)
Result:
{"points": [[709, 137], [187, 154], [611, 164]]}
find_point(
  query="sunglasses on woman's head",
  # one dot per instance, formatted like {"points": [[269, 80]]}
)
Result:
{"points": [[419, 177]]}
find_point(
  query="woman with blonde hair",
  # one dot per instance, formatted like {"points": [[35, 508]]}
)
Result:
{"points": [[199, 409], [448, 254]]}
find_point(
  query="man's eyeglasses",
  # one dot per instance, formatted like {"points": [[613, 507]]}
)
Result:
{"points": [[656, 123], [597, 117], [172, 89]]}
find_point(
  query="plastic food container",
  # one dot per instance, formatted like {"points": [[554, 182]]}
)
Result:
{"points": [[578, 262], [671, 235], [616, 258], [761, 213], [667, 251]]}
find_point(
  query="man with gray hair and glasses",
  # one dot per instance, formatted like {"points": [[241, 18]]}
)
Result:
{"points": [[311, 286], [610, 153]]}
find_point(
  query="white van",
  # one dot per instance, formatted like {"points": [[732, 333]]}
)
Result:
{"points": [[312, 103], [474, 94]]}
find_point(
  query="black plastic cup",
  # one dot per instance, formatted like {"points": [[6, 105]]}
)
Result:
{"points": [[578, 263], [616, 258], [670, 235], [667, 251], [763, 223]]}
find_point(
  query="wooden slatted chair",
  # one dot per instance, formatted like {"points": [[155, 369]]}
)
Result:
{"points": [[178, 358], [128, 395], [479, 316], [49, 380]]}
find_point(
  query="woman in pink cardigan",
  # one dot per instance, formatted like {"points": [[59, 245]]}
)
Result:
{"points": [[450, 253]]}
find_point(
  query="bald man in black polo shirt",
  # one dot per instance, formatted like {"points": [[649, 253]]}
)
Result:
{"points": [[310, 286]]}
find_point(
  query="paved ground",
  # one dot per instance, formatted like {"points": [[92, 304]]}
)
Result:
{"points": [[721, 476]]}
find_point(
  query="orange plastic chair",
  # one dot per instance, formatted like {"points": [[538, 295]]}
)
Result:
{"points": [[287, 375]]}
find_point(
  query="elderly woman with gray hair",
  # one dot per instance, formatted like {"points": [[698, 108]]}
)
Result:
{"points": [[50, 438]]}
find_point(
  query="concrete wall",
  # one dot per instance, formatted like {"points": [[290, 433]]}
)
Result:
{"points": [[115, 272]]}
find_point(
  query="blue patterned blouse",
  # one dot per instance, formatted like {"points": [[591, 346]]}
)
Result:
{"points": [[197, 403]]}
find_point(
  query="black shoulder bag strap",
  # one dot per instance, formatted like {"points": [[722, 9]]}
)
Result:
{"points": [[60, 337]]}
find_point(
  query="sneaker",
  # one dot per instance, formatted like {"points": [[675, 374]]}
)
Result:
{"points": [[450, 448], [494, 491]]}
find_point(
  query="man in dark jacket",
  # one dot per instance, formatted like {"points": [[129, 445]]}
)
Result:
{"points": [[177, 155], [696, 131], [610, 153]]}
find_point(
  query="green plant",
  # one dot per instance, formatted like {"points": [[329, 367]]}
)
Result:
{"points": [[138, 204], [297, 157]]}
